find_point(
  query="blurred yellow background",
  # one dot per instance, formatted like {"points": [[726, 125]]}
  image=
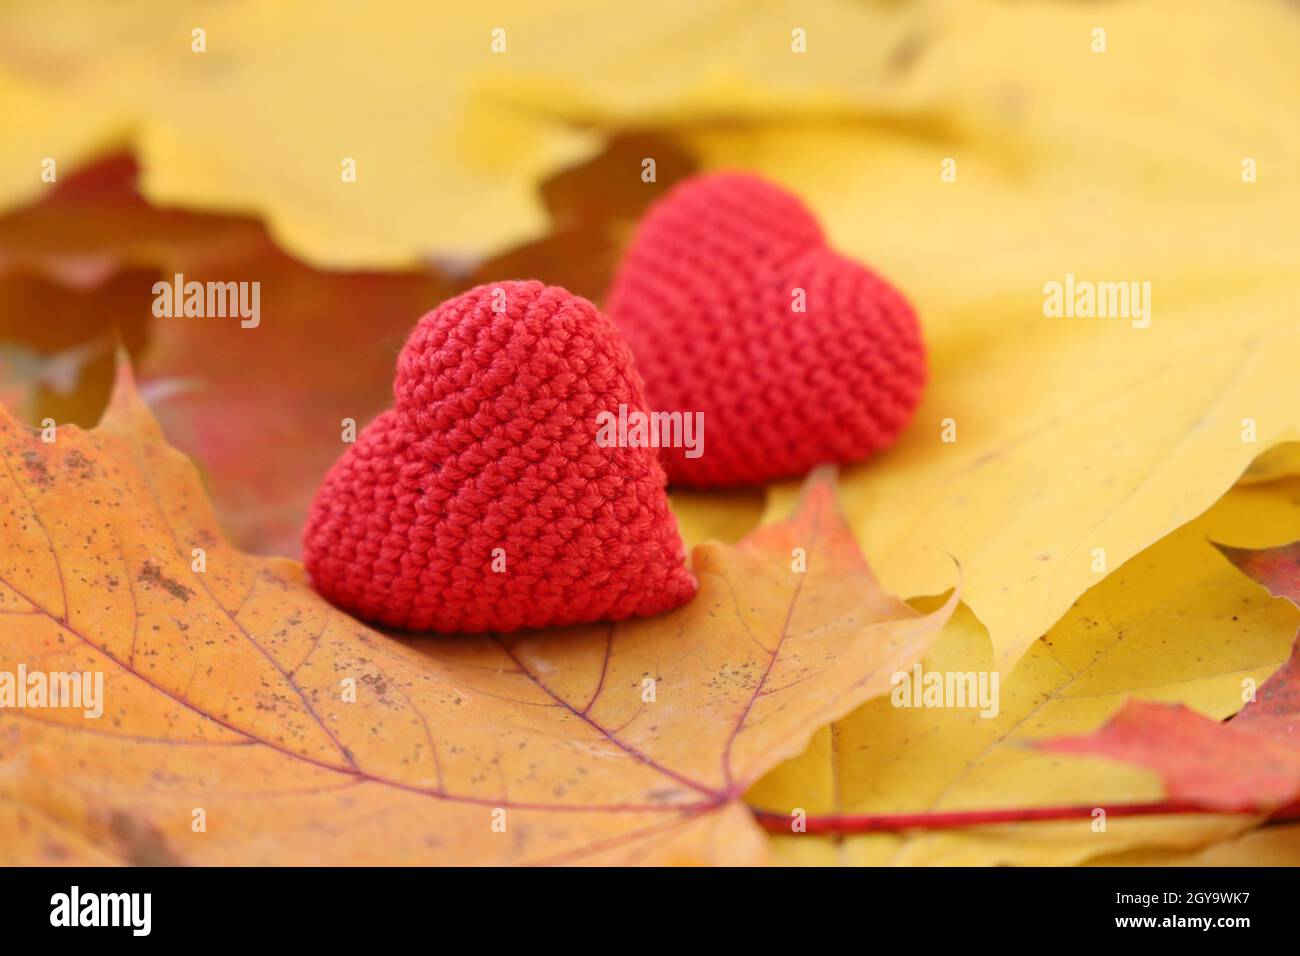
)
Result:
{"points": [[969, 151]]}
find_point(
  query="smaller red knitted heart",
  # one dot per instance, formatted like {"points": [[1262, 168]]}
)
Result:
{"points": [[709, 297], [481, 500]]}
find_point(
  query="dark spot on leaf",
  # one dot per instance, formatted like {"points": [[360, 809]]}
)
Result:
{"points": [[152, 574]]}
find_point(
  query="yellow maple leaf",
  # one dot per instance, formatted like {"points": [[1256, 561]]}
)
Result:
{"points": [[1049, 450], [451, 114], [1177, 623], [1267, 846]]}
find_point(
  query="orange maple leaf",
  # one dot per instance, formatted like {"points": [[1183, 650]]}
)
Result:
{"points": [[246, 721]]}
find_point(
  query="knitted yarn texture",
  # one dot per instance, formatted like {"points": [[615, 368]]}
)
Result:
{"points": [[480, 501], [735, 306]]}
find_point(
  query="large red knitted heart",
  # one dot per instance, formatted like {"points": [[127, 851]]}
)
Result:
{"points": [[709, 298], [481, 500]]}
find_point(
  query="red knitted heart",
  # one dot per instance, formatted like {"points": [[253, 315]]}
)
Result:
{"points": [[481, 500], [707, 297]]}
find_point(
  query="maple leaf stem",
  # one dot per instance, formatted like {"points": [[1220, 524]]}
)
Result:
{"points": [[848, 824]]}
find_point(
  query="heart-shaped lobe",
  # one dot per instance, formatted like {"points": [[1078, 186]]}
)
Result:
{"points": [[481, 500], [735, 307]]}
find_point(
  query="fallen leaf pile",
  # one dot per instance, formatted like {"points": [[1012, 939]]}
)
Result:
{"points": [[1250, 762], [1177, 625], [344, 329], [227, 689], [1046, 521], [301, 83]]}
